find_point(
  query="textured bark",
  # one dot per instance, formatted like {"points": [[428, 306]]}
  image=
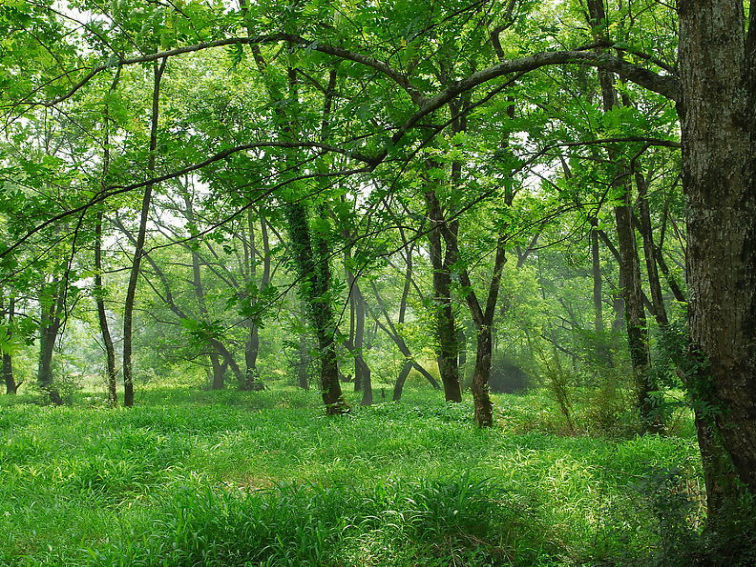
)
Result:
{"points": [[128, 307], [446, 328], [315, 276], [717, 118]]}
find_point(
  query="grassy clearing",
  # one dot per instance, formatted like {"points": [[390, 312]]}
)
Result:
{"points": [[263, 478]]}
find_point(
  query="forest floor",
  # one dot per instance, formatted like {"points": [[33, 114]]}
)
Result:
{"points": [[201, 478]]}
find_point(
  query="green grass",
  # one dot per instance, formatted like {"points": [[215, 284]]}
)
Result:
{"points": [[263, 478]]}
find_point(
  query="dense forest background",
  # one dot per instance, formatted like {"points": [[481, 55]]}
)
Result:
{"points": [[440, 198]]}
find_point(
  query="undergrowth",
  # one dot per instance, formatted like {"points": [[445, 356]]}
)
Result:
{"points": [[263, 478]]}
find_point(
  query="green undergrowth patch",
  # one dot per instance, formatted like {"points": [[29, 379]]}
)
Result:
{"points": [[264, 478]]}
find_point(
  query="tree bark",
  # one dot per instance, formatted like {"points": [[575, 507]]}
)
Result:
{"points": [[446, 329], [102, 317], [51, 301], [314, 272], [719, 176]]}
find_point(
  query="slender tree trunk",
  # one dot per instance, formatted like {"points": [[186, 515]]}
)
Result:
{"points": [[303, 363], [632, 291], [635, 317], [11, 386], [111, 374], [483, 316], [218, 378], [649, 252], [603, 351], [252, 348], [481, 375], [672, 282], [128, 307], [102, 317], [356, 344]]}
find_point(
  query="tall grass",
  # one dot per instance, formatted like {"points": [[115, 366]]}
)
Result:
{"points": [[263, 478]]}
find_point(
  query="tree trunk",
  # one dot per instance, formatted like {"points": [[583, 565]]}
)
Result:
{"points": [[252, 348], [649, 251], [11, 386], [481, 374], [303, 362], [51, 303], [128, 307], [719, 177], [629, 265], [314, 273], [604, 354], [446, 328], [102, 317]]}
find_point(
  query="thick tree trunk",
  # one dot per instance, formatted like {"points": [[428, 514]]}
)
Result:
{"points": [[48, 334], [719, 177], [481, 374], [315, 275], [446, 328], [128, 307]]}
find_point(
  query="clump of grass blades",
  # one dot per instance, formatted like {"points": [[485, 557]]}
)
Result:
{"points": [[393, 524]]}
